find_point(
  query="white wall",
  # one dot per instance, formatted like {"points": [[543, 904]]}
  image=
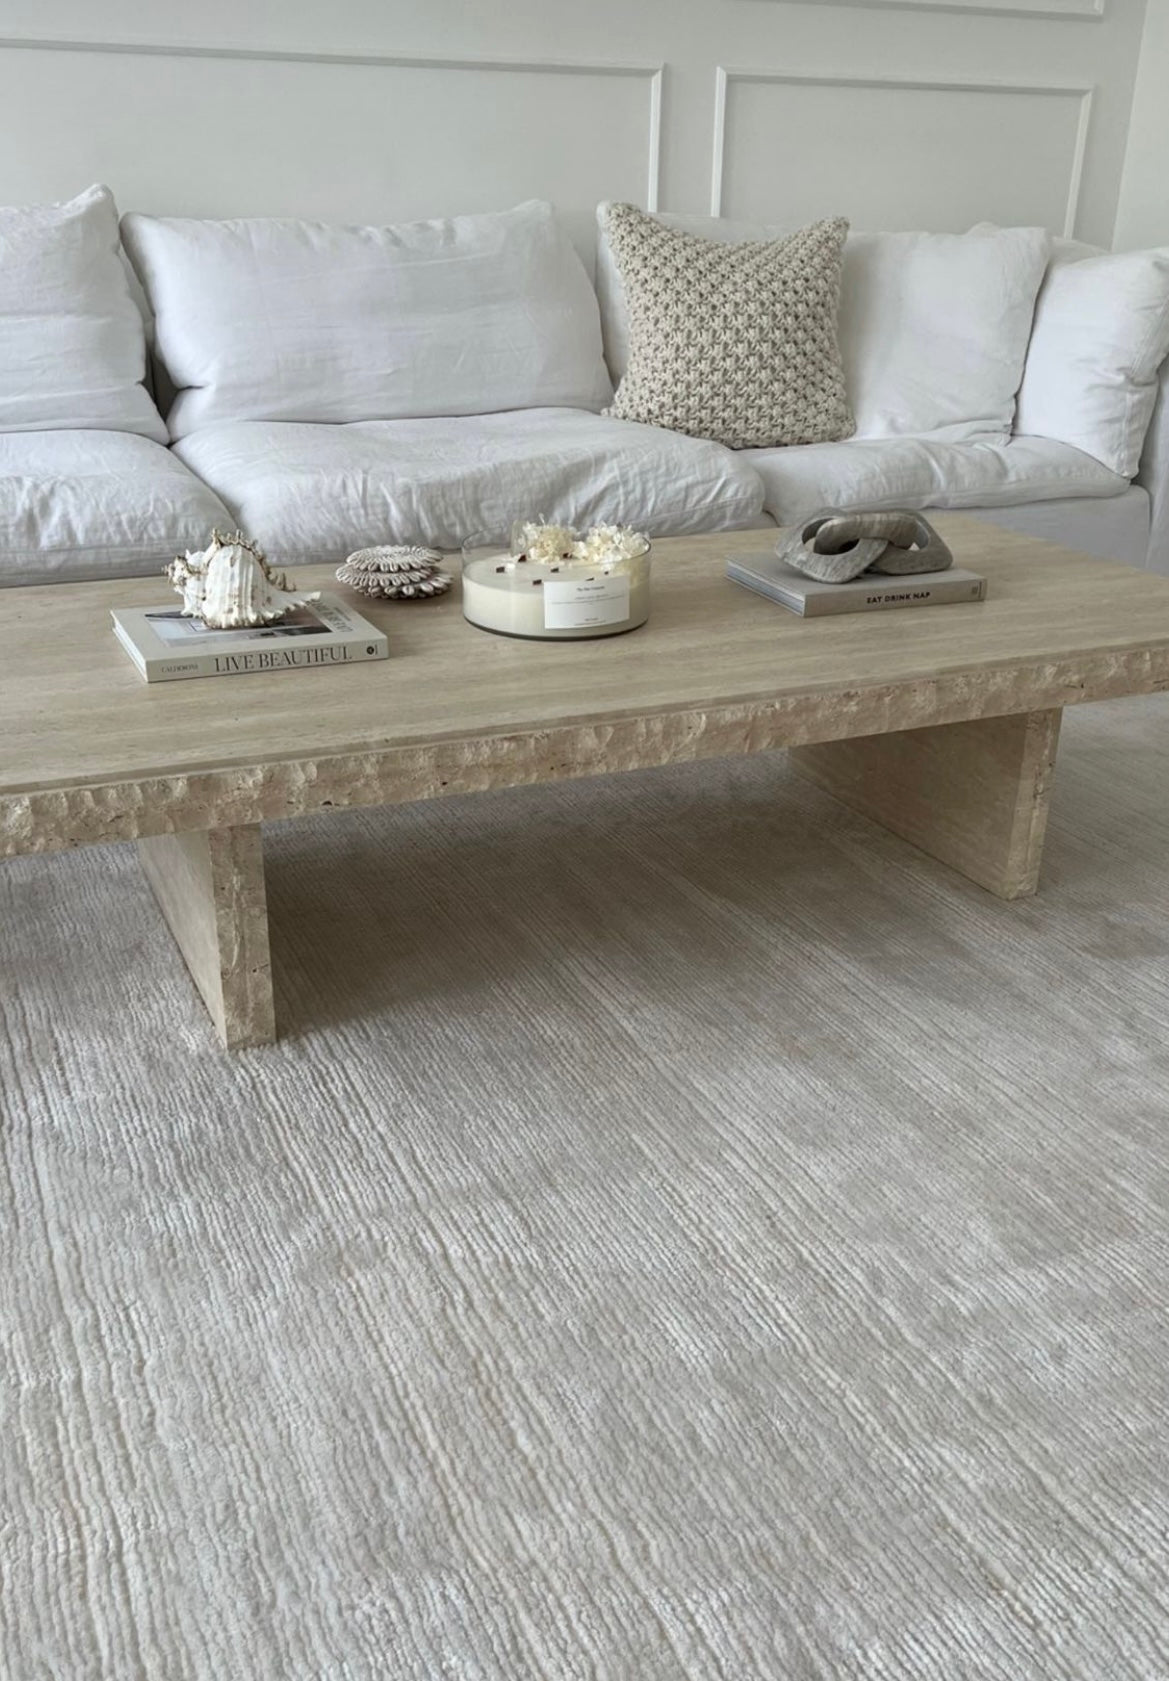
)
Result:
{"points": [[926, 113], [1143, 217]]}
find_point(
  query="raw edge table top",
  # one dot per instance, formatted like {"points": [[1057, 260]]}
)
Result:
{"points": [[1057, 627]]}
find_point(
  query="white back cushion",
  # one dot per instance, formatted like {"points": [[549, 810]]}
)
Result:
{"points": [[72, 342], [1101, 334], [289, 320], [933, 327]]}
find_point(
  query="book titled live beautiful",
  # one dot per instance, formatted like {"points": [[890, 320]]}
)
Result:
{"points": [[871, 592], [165, 645]]}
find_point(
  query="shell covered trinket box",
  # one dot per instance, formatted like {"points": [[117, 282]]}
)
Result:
{"points": [[395, 573]]}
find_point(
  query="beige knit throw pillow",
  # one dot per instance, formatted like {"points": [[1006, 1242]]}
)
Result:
{"points": [[732, 342]]}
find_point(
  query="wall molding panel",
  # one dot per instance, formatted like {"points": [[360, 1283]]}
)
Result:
{"points": [[727, 79], [896, 113], [1065, 11], [649, 73]]}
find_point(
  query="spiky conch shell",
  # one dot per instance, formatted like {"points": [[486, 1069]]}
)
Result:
{"points": [[395, 573], [230, 586]]}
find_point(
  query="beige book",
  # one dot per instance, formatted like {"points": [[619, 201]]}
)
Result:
{"points": [[871, 592], [166, 645]]}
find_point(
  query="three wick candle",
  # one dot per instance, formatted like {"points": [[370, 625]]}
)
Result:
{"points": [[553, 585]]}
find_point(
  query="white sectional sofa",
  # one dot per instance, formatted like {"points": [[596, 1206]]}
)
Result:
{"points": [[88, 486], [325, 388]]}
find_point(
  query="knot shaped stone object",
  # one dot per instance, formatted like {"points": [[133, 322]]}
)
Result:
{"points": [[834, 547]]}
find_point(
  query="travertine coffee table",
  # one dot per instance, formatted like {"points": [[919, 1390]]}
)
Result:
{"points": [[941, 723]]}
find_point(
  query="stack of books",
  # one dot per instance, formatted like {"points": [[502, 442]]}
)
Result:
{"points": [[165, 645], [871, 592]]}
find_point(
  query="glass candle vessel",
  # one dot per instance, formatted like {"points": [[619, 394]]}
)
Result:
{"points": [[559, 597]]}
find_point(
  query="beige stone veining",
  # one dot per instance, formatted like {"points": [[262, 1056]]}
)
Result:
{"points": [[941, 723], [91, 753]]}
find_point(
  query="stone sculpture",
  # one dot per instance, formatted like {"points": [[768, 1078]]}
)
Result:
{"points": [[835, 547]]}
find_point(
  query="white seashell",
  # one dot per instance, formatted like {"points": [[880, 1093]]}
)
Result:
{"points": [[397, 573], [229, 585]]}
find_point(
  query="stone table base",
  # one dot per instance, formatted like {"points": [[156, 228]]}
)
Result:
{"points": [[210, 886], [974, 795]]}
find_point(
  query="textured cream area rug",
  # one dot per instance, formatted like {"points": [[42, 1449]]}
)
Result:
{"points": [[683, 1234]]}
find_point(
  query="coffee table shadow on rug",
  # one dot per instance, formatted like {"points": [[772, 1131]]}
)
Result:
{"points": [[441, 912], [449, 907]]}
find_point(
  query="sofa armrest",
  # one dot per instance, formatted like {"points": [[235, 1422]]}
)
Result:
{"points": [[1153, 475]]}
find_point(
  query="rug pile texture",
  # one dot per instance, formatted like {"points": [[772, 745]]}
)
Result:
{"points": [[683, 1234]]}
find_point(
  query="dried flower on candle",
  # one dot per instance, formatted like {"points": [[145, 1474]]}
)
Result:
{"points": [[543, 544], [602, 545], [609, 545]]}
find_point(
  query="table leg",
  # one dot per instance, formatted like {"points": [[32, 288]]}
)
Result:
{"points": [[209, 884], [974, 795]]}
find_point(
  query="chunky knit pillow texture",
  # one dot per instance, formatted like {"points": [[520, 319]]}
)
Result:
{"points": [[732, 342]]}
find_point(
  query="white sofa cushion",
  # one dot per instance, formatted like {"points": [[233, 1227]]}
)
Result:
{"points": [[924, 473], [72, 341], [287, 320], [76, 505], [1101, 334], [933, 327], [322, 491], [1109, 527]]}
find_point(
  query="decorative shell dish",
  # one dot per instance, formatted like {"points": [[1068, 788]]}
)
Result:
{"points": [[404, 573], [230, 585]]}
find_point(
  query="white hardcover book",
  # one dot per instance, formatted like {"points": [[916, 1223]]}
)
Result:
{"points": [[871, 592], [166, 646]]}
